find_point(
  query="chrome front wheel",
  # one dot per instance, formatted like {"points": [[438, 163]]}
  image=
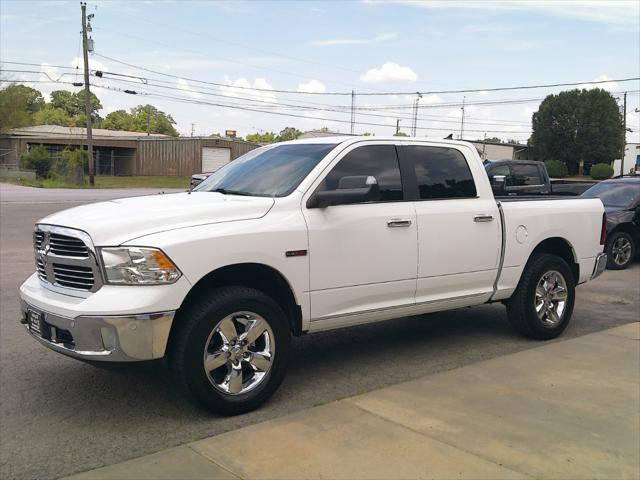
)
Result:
{"points": [[239, 352]]}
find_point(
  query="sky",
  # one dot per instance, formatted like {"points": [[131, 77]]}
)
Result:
{"points": [[217, 66]]}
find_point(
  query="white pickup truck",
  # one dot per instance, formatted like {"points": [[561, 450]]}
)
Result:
{"points": [[295, 238]]}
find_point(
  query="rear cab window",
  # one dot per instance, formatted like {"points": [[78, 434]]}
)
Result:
{"points": [[441, 172], [525, 175]]}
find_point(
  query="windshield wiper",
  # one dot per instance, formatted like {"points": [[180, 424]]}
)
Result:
{"points": [[224, 191]]}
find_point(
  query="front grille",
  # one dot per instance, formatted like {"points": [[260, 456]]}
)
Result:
{"points": [[42, 272], [68, 246], [38, 237], [73, 276], [64, 257]]}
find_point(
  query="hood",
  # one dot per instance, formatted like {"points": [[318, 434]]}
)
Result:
{"points": [[117, 221]]}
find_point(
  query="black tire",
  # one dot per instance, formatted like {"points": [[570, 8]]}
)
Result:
{"points": [[194, 325], [612, 263], [521, 307]]}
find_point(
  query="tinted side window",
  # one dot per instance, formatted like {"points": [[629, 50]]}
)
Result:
{"points": [[526, 175], [441, 172], [381, 161]]}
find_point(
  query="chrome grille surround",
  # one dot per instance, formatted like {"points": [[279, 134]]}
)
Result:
{"points": [[66, 258]]}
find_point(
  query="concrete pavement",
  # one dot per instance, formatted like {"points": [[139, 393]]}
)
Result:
{"points": [[565, 409]]}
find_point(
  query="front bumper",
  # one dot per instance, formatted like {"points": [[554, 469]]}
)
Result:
{"points": [[114, 324], [600, 265], [122, 338]]}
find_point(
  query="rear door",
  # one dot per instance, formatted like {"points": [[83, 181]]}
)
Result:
{"points": [[459, 234]]}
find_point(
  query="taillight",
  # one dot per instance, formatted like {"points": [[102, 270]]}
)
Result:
{"points": [[603, 231]]}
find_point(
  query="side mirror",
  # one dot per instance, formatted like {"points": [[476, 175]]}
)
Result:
{"points": [[498, 184], [351, 189]]}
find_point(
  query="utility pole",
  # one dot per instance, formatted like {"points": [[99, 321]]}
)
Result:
{"points": [[148, 120], [414, 127], [87, 91], [462, 120], [192, 126], [624, 132], [397, 126], [484, 147], [353, 110]]}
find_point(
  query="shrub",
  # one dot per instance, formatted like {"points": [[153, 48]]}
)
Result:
{"points": [[556, 168], [601, 171], [70, 166], [37, 158]]}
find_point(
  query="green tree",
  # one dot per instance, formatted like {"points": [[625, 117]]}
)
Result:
{"points": [[288, 133], [18, 103], [74, 105], [135, 120], [159, 122], [37, 158], [578, 126], [400, 134], [118, 120], [51, 115], [267, 137]]}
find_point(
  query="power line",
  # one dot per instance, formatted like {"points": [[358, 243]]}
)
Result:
{"points": [[308, 117], [432, 92]]}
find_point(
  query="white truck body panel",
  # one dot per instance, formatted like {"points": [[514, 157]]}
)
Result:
{"points": [[357, 269]]}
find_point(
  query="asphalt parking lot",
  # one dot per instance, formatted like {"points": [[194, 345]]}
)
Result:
{"points": [[59, 416]]}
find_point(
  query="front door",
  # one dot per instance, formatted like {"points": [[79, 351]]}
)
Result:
{"points": [[363, 257]]}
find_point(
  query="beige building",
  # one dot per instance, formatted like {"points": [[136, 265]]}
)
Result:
{"points": [[128, 153]]}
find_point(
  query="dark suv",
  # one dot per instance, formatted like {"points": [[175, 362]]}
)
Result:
{"points": [[621, 199]]}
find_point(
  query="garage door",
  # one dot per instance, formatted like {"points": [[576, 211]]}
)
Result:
{"points": [[214, 158]]}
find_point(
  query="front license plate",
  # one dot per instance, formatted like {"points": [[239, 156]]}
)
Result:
{"points": [[36, 321]]}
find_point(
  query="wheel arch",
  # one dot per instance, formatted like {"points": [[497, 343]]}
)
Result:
{"points": [[253, 275], [562, 248]]}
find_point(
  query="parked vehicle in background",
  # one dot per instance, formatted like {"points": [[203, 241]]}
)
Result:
{"points": [[528, 177], [621, 199], [197, 178], [301, 237]]}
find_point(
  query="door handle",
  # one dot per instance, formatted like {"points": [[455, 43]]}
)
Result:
{"points": [[398, 222], [483, 218]]}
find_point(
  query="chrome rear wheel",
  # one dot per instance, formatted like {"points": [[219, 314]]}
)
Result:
{"points": [[621, 250], [551, 298]]}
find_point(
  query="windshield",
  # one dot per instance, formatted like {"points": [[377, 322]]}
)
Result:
{"points": [[613, 194], [271, 171]]}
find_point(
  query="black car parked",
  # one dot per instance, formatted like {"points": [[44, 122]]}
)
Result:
{"points": [[621, 199]]}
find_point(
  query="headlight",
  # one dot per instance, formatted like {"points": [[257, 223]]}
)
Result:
{"points": [[138, 266]]}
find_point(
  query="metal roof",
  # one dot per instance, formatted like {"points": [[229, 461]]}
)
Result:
{"points": [[80, 132]]}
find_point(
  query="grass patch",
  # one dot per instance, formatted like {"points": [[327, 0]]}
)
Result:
{"points": [[107, 182]]}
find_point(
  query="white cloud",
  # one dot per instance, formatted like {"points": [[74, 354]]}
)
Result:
{"points": [[390, 72], [383, 37], [182, 84], [242, 88], [483, 94], [313, 86], [610, 86], [616, 12]]}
